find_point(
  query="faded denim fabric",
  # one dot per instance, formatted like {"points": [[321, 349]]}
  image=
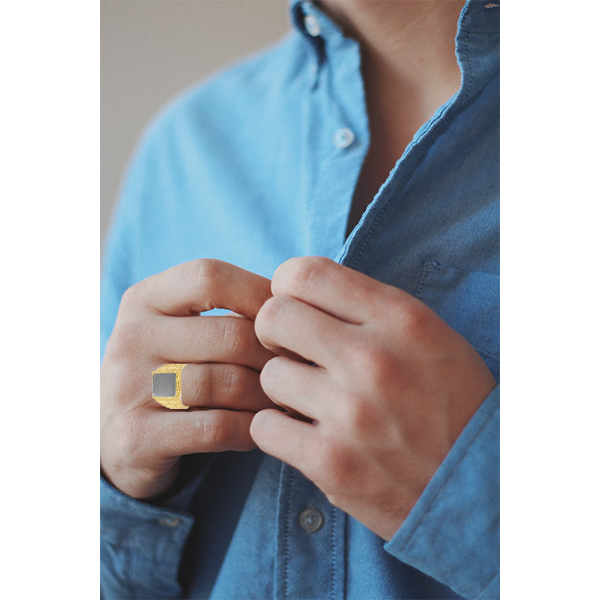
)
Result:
{"points": [[247, 168]]}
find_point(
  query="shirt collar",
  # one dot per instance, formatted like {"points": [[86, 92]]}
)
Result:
{"points": [[319, 32], [314, 26]]}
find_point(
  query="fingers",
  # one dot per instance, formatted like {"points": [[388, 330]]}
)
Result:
{"points": [[158, 324], [207, 339], [285, 322], [213, 385], [284, 437], [189, 432], [201, 285], [296, 386], [331, 287]]}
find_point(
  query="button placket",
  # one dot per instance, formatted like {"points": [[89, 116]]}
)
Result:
{"points": [[309, 531]]}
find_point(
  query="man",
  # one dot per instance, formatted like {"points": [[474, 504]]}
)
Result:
{"points": [[342, 439]]}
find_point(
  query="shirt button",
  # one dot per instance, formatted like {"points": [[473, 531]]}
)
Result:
{"points": [[170, 521], [310, 519], [312, 25], [343, 138]]}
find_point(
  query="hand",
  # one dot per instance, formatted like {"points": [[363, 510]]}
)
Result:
{"points": [[389, 390], [159, 323]]}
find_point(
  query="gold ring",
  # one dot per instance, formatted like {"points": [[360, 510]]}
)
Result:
{"points": [[166, 386]]}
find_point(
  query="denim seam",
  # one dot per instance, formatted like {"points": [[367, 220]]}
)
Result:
{"points": [[287, 535], [433, 265], [430, 267], [469, 68], [492, 355], [333, 553], [449, 115], [443, 485]]}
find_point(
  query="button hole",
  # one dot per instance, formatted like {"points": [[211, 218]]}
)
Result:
{"points": [[492, 5]]}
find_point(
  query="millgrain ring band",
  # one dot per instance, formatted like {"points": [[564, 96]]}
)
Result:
{"points": [[166, 386]]}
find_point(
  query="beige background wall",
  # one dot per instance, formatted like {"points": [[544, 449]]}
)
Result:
{"points": [[152, 49]]}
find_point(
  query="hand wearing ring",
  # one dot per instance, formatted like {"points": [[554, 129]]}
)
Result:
{"points": [[210, 364]]}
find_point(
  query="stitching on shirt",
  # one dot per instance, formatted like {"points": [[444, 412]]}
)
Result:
{"points": [[486, 352], [430, 267], [333, 553], [468, 62], [458, 462], [286, 555], [450, 114]]}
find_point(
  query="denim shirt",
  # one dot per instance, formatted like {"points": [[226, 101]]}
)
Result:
{"points": [[259, 164]]}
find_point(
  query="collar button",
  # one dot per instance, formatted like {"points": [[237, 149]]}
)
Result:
{"points": [[312, 25]]}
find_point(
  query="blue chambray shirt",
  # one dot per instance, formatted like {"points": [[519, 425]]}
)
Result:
{"points": [[253, 167]]}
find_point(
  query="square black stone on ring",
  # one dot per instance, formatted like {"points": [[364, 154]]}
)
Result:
{"points": [[164, 385]]}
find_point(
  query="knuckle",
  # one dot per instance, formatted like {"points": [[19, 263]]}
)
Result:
{"points": [[131, 298], [126, 339], [299, 274], [203, 386], [257, 425], [206, 273], [269, 315], [237, 335], [357, 417], [128, 436], [414, 320], [216, 429], [376, 366], [233, 381], [121, 380], [270, 375]]}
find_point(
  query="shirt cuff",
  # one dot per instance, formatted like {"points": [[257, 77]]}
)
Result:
{"points": [[142, 544], [453, 531]]}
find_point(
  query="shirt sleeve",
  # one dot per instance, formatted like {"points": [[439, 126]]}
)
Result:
{"points": [[141, 545], [453, 532]]}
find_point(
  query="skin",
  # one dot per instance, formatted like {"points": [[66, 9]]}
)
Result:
{"points": [[159, 323], [393, 388], [409, 69], [355, 383], [395, 385]]}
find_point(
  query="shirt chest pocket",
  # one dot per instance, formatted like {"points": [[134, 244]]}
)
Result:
{"points": [[468, 301]]}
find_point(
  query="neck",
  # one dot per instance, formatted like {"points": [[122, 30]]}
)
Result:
{"points": [[407, 43], [409, 69]]}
